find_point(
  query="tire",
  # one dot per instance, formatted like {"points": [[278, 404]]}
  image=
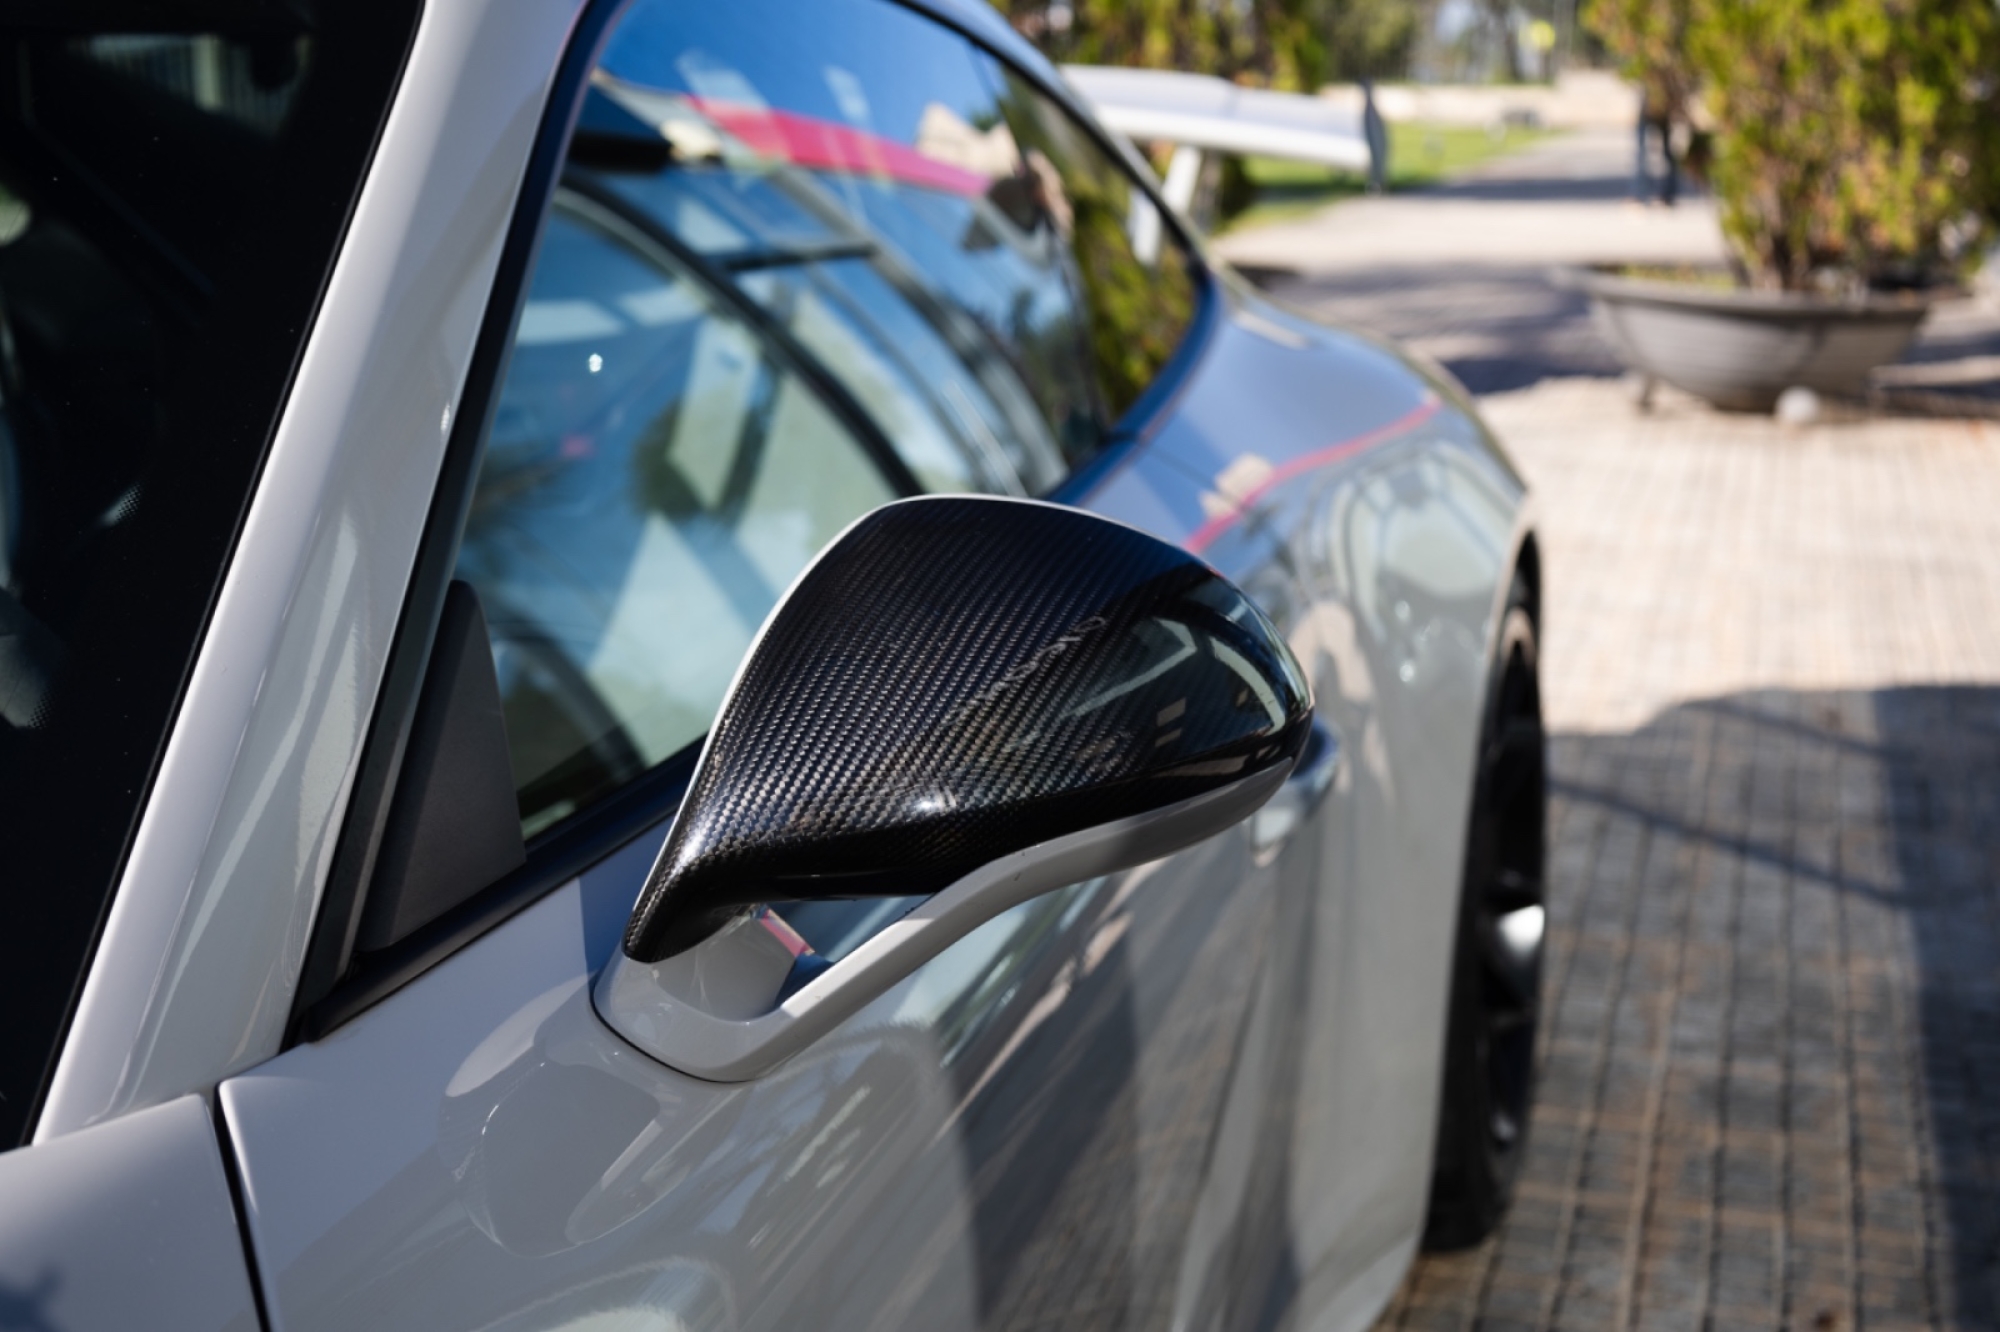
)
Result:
{"points": [[1495, 1006]]}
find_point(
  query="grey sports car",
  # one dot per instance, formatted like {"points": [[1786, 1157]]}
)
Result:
{"points": [[673, 665]]}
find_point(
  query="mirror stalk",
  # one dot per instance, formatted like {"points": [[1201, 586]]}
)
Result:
{"points": [[670, 1009]]}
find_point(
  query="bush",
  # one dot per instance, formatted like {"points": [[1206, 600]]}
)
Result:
{"points": [[1291, 45], [1857, 142]]}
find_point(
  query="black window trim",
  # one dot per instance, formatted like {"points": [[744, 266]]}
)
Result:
{"points": [[334, 986]]}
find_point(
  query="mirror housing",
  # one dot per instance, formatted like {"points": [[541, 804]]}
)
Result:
{"points": [[975, 698]]}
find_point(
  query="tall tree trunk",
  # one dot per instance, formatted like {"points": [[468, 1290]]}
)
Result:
{"points": [[1500, 11]]}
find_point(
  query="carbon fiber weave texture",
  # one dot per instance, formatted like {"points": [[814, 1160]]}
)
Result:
{"points": [[956, 679]]}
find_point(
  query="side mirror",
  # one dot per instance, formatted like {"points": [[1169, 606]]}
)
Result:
{"points": [[977, 699]]}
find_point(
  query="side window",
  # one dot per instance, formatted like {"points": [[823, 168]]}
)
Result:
{"points": [[658, 472], [1138, 279], [804, 259], [850, 166]]}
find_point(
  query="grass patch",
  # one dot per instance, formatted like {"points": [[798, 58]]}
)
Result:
{"points": [[1686, 275], [1420, 154]]}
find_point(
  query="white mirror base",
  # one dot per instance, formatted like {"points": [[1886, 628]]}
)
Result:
{"points": [[676, 1012]]}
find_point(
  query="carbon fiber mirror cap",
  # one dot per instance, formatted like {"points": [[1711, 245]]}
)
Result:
{"points": [[958, 679]]}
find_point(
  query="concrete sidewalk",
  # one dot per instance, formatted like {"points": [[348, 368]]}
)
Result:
{"points": [[1460, 272], [1561, 200], [1770, 1074]]}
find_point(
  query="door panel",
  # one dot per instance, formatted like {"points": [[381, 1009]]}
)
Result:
{"points": [[1021, 1132]]}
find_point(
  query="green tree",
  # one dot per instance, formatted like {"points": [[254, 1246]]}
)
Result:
{"points": [[1856, 142], [1291, 45], [1367, 39]]}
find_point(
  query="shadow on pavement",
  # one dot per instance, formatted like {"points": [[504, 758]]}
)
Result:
{"points": [[1771, 1070], [1943, 770], [1839, 980], [1496, 327]]}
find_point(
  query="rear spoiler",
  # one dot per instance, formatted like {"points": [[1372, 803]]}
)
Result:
{"points": [[1198, 114]]}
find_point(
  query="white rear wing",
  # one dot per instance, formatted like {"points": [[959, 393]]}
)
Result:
{"points": [[1204, 114]]}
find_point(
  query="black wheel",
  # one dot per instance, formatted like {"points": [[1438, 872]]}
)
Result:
{"points": [[1497, 962]]}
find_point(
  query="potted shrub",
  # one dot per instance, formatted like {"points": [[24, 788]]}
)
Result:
{"points": [[1856, 159]]}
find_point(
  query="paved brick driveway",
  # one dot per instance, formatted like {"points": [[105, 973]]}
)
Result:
{"points": [[1770, 1091]]}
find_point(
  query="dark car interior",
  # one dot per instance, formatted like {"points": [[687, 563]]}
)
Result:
{"points": [[174, 181], [111, 248]]}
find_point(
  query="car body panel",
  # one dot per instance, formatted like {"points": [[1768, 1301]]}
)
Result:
{"points": [[125, 1224], [488, 1153], [195, 971], [1197, 1093], [1263, 1153]]}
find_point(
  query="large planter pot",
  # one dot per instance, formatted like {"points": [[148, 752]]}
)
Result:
{"points": [[1741, 349]]}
